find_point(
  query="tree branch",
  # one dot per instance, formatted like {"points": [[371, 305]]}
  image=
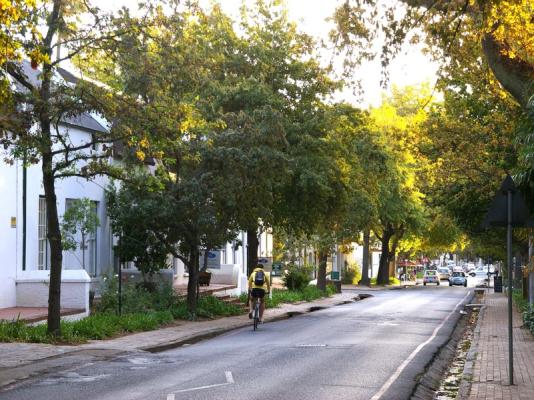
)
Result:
{"points": [[514, 75]]}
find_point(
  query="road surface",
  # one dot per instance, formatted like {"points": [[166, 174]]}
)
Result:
{"points": [[371, 349]]}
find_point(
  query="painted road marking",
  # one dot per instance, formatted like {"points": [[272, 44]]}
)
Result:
{"points": [[229, 381], [401, 367]]}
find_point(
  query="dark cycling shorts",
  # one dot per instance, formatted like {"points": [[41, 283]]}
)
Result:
{"points": [[257, 292]]}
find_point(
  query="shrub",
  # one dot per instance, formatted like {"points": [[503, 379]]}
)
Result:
{"points": [[211, 306], [351, 275], [528, 319], [521, 304], [280, 296], [297, 277], [392, 281], [135, 298]]}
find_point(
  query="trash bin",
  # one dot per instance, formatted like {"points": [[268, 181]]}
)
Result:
{"points": [[497, 284]]}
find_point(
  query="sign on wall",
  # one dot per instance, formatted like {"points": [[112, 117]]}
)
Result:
{"points": [[214, 259]]}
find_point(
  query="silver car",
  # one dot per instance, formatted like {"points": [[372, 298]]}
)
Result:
{"points": [[458, 278]]}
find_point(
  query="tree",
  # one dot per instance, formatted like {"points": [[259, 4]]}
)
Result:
{"points": [[188, 128], [80, 216], [42, 99], [133, 210], [500, 32], [400, 209], [273, 82]]}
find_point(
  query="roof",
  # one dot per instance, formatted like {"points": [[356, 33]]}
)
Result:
{"points": [[84, 120]]}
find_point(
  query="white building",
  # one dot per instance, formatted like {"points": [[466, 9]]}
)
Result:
{"points": [[26, 258]]}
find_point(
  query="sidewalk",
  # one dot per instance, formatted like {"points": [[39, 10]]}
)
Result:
{"points": [[20, 360], [490, 372]]}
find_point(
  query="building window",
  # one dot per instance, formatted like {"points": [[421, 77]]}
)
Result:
{"points": [[85, 255], [43, 259], [223, 255], [235, 251]]}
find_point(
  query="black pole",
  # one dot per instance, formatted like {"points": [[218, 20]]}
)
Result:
{"points": [[24, 202], [120, 279], [509, 263]]}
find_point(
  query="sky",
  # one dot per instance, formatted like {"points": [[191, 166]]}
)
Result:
{"points": [[409, 68]]}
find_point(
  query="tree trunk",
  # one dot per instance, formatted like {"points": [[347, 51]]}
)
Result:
{"points": [[365, 259], [56, 249], [321, 271], [192, 285], [205, 260], [252, 250], [383, 267], [515, 75]]}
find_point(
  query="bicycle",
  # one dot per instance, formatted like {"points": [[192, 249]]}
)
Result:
{"points": [[256, 313]]}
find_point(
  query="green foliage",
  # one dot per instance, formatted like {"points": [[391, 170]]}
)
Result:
{"points": [[521, 304], [94, 327], [138, 241], [80, 216], [281, 296], [392, 281], [526, 309], [297, 277], [136, 299], [142, 311], [351, 275]]}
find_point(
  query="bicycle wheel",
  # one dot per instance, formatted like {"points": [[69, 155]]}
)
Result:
{"points": [[256, 315]]}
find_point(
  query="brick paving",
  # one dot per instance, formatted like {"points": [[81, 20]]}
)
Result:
{"points": [[490, 372], [32, 314]]}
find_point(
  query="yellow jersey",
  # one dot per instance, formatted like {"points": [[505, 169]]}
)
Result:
{"points": [[266, 283]]}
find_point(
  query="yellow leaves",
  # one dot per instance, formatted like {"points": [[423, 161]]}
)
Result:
{"points": [[140, 155], [143, 143], [12, 15], [511, 23]]}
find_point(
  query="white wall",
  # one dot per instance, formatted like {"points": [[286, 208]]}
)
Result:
{"points": [[33, 287], [11, 206], [10, 182]]}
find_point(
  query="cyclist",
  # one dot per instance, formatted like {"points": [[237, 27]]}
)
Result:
{"points": [[258, 284]]}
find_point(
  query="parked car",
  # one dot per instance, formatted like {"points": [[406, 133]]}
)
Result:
{"points": [[444, 273], [431, 276], [458, 278]]}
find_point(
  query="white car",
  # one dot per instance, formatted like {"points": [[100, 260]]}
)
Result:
{"points": [[431, 276], [444, 273]]}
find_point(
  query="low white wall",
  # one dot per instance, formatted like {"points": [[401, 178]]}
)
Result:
{"points": [[228, 274], [32, 289]]}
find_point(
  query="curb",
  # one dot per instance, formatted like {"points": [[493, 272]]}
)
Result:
{"points": [[429, 382], [467, 375]]}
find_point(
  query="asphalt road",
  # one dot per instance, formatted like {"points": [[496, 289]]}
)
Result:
{"points": [[371, 349]]}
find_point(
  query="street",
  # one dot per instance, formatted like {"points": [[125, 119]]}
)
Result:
{"points": [[371, 349]]}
